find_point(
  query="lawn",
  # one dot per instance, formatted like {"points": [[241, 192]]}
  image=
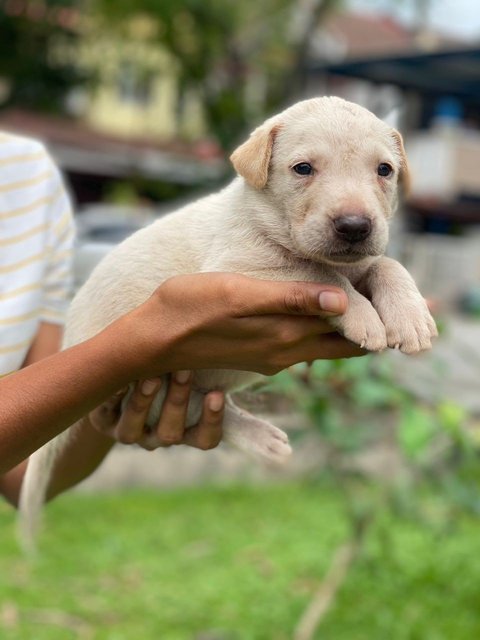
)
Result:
{"points": [[232, 563]]}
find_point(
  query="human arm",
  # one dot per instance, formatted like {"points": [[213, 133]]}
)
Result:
{"points": [[97, 433], [191, 322], [107, 424], [46, 342]]}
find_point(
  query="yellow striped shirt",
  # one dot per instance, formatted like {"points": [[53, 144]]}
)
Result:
{"points": [[36, 237]]}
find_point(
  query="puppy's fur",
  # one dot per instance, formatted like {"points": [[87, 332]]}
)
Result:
{"points": [[271, 223]]}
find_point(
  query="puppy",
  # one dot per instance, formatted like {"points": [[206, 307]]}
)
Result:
{"points": [[316, 189]]}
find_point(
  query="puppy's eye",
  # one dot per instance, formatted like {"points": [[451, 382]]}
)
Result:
{"points": [[384, 169], [303, 169]]}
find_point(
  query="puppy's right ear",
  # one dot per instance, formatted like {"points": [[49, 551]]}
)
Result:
{"points": [[405, 179], [251, 160]]}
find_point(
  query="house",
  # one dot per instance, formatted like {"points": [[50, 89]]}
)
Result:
{"points": [[133, 123]]}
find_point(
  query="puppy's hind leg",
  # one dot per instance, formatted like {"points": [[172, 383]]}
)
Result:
{"points": [[254, 435]]}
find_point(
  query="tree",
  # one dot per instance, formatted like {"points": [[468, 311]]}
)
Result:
{"points": [[29, 31], [244, 59]]}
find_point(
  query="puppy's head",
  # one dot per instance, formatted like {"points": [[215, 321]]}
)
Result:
{"points": [[331, 170]]}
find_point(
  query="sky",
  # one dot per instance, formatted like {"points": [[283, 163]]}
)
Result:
{"points": [[454, 17]]}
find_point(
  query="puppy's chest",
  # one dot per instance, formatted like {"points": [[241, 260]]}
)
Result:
{"points": [[354, 272]]}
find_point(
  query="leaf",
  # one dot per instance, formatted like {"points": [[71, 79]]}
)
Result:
{"points": [[417, 429], [374, 394], [452, 416]]}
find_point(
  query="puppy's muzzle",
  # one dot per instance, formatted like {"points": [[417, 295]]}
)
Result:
{"points": [[352, 227]]}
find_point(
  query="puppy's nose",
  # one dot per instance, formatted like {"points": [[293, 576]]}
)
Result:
{"points": [[352, 228]]}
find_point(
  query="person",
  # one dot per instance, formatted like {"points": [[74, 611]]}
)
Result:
{"points": [[193, 321]]}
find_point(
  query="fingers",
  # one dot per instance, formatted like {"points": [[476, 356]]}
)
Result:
{"points": [[207, 434], [330, 346], [171, 425], [130, 425], [334, 346], [171, 428]]}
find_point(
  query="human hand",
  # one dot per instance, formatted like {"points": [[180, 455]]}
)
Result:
{"points": [[128, 426], [230, 321]]}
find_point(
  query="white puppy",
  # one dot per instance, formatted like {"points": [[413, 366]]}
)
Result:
{"points": [[317, 186]]}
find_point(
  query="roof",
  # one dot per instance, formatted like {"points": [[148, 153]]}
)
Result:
{"points": [[346, 34], [451, 72], [365, 34], [80, 149]]}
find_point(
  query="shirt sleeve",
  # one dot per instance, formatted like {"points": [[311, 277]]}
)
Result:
{"points": [[57, 286]]}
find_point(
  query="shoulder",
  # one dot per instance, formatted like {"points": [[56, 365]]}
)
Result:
{"points": [[32, 190], [13, 145]]}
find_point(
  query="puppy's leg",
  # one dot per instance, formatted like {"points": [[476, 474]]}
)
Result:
{"points": [[361, 323], [400, 305], [254, 435]]}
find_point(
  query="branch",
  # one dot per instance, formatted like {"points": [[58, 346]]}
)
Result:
{"points": [[325, 595], [318, 12]]}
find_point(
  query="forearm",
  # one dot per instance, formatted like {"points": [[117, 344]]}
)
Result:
{"points": [[79, 458], [43, 399], [11, 483]]}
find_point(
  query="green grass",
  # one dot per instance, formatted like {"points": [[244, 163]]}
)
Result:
{"points": [[229, 563]]}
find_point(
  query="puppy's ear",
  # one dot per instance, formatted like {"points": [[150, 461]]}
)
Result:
{"points": [[251, 160], [404, 179]]}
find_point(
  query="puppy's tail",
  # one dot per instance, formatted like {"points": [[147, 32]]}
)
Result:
{"points": [[34, 492]]}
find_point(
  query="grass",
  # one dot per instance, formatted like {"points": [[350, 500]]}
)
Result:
{"points": [[236, 563]]}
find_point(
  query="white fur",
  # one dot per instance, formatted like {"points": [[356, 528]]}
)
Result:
{"points": [[274, 224]]}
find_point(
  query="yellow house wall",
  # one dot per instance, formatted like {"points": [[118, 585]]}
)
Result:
{"points": [[107, 112]]}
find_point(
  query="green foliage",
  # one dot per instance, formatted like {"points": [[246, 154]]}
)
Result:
{"points": [[416, 429], [29, 33], [357, 406]]}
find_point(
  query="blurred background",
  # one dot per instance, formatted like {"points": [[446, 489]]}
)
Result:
{"points": [[371, 531]]}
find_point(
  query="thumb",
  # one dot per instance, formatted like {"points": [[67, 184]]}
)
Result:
{"points": [[298, 298]]}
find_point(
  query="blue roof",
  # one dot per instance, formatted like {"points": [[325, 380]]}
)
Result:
{"points": [[443, 73]]}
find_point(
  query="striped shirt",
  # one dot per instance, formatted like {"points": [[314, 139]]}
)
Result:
{"points": [[36, 237]]}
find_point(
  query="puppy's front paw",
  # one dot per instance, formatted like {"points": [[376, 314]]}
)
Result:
{"points": [[362, 325], [410, 327]]}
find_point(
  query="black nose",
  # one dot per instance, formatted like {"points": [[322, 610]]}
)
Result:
{"points": [[352, 228]]}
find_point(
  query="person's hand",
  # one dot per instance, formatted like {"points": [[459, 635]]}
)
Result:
{"points": [[230, 321], [128, 426]]}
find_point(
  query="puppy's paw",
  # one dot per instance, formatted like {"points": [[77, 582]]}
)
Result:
{"points": [[271, 444], [255, 435], [410, 328], [362, 325]]}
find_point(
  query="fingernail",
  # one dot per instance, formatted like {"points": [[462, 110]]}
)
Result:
{"points": [[149, 386], [215, 402], [331, 301], [122, 392], [182, 377]]}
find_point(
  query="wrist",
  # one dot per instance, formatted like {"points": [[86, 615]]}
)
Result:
{"points": [[140, 342]]}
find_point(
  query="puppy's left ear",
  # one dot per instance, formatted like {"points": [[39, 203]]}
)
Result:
{"points": [[404, 179], [251, 160]]}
